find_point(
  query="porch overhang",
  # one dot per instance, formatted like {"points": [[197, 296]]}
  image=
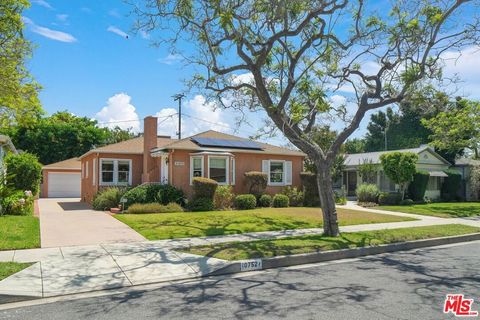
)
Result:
{"points": [[157, 153], [438, 174], [212, 153]]}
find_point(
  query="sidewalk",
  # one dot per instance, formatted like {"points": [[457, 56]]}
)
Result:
{"points": [[68, 270]]}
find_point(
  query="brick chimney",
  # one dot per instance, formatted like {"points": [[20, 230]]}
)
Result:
{"points": [[149, 142]]}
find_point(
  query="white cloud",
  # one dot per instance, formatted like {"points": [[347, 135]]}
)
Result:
{"points": [[198, 116], [49, 33], [119, 112], [145, 35], [466, 65], [171, 59], [62, 17], [117, 31], [338, 100], [114, 13], [43, 3]]}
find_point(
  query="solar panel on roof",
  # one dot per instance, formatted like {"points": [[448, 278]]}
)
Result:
{"points": [[225, 143]]}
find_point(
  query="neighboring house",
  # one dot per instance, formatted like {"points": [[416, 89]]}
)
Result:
{"points": [[159, 159], [428, 160], [464, 166], [61, 179], [6, 146]]}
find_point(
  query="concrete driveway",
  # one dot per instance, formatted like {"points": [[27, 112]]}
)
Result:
{"points": [[69, 222]]}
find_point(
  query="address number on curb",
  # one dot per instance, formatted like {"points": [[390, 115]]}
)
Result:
{"points": [[250, 265]]}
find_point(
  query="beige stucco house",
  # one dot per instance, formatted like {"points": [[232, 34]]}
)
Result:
{"points": [[428, 160]]}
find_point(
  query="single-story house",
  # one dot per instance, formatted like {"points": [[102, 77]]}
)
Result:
{"points": [[160, 159], [6, 146], [428, 160], [61, 179], [464, 166]]}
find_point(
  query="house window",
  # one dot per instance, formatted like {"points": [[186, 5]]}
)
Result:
{"points": [[218, 169], [196, 167], [277, 172], [432, 183], [115, 172]]}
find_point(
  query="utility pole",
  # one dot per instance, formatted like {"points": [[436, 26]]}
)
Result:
{"points": [[179, 97]]}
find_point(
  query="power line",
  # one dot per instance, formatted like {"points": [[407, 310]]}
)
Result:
{"points": [[133, 120]]}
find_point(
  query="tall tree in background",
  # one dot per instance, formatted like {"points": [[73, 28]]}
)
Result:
{"points": [[19, 103], [283, 57], [63, 136]]}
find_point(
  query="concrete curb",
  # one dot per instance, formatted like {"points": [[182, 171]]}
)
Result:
{"points": [[306, 258]]}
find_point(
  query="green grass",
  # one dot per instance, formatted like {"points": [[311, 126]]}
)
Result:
{"points": [[19, 232], [316, 243], [196, 224], [440, 209], [9, 268]]}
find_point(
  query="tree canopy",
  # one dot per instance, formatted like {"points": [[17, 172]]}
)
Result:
{"points": [[287, 57], [19, 103], [400, 167], [63, 136]]}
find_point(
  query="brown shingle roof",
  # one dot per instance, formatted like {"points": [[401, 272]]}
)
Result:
{"points": [[69, 164], [188, 144], [131, 146]]}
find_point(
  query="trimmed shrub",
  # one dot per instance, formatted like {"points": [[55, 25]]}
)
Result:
{"points": [[294, 195], [280, 201], [154, 208], [451, 186], [265, 201], [245, 201], [204, 188], [24, 172], [389, 198], [256, 182], [417, 188], [108, 198], [310, 189], [148, 193], [367, 193], [340, 198], [406, 202], [19, 203], [200, 204], [223, 198]]}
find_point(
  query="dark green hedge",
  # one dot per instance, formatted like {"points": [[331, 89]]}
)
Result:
{"points": [[310, 189], [418, 187], [451, 186]]}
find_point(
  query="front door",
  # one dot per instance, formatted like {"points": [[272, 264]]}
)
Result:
{"points": [[164, 170], [352, 183]]}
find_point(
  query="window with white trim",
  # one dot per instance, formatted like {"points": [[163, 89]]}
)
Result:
{"points": [[197, 167], [277, 172], [218, 169], [115, 172]]}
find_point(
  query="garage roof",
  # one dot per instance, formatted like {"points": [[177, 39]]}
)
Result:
{"points": [[69, 164]]}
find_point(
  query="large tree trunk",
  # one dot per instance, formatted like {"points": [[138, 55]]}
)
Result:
{"points": [[327, 199]]}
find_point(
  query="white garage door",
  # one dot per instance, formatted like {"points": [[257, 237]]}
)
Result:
{"points": [[63, 185]]}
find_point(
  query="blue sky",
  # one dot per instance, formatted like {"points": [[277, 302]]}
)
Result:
{"points": [[86, 65]]}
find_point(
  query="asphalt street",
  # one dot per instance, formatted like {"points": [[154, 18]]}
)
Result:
{"points": [[404, 285]]}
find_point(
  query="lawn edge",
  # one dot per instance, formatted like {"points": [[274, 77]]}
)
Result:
{"points": [[324, 256]]}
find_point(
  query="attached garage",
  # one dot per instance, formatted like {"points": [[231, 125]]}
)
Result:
{"points": [[62, 179]]}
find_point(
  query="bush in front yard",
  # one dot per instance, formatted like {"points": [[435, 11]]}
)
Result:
{"points": [[200, 204], [451, 186], [154, 208], [265, 201], [204, 188], [367, 193], [18, 203], [389, 198], [148, 193], [310, 189], [280, 201], [223, 198], [245, 201], [256, 182], [418, 187], [108, 198], [24, 171], [294, 195]]}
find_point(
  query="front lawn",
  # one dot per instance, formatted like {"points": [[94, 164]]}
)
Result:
{"points": [[197, 224], [19, 232], [9, 268], [440, 209], [316, 243]]}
